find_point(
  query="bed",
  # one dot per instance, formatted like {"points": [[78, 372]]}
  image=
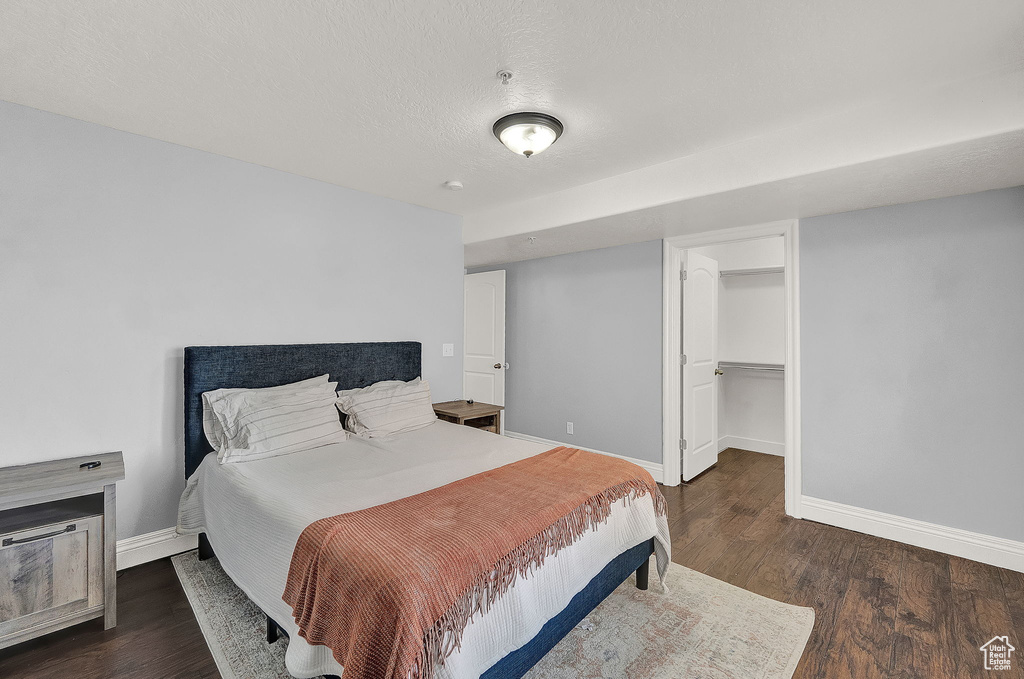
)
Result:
{"points": [[250, 514]]}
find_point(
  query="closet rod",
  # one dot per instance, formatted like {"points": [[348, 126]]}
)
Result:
{"points": [[774, 367], [751, 272]]}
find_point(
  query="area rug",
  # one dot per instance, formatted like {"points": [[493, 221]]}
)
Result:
{"points": [[701, 628]]}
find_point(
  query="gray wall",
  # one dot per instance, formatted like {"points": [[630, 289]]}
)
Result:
{"points": [[583, 338], [116, 251], [912, 345]]}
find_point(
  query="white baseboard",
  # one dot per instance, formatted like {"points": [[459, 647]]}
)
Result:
{"points": [[975, 546], [655, 468], [756, 445], [152, 546]]}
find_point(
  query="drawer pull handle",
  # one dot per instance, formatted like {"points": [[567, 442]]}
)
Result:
{"points": [[11, 541], [90, 465]]}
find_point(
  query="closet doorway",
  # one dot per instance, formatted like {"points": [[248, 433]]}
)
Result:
{"points": [[731, 350]]}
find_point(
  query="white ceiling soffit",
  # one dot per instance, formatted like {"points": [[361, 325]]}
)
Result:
{"points": [[967, 167], [397, 98]]}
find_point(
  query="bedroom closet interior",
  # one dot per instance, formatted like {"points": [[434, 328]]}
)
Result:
{"points": [[751, 344]]}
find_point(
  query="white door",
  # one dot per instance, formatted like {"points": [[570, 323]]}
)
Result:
{"points": [[484, 340], [700, 348]]}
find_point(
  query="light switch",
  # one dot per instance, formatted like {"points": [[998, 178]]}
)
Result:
{"points": [[447, 349]]}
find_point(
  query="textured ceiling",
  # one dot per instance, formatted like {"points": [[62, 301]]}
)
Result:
{"points": [[394, 98], [945, 141]]}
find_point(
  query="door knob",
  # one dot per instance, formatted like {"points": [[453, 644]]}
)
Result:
{"points": [[718, 372], [497, 366]]}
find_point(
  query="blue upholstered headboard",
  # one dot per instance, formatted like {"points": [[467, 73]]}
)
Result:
{"points": [[350, 365]]}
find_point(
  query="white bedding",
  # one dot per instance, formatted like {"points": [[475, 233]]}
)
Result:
{"points": [[254, 512]]}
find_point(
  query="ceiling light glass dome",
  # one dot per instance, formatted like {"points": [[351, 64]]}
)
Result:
{"points": [[527, 133]]}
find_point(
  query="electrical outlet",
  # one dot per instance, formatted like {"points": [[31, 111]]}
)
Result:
{"points": [[568, 427], [447, 349]]}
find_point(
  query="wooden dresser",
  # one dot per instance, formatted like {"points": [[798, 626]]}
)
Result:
{"points": [[57, 545]]}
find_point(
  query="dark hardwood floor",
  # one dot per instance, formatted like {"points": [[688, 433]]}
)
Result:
{"points": [[883, 609], [156, 636]]}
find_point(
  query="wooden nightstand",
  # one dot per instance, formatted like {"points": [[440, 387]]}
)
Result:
{"points": [[478, 415], [57, 545]]}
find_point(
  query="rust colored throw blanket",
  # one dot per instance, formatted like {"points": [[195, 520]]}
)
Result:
{"points": [[390, 589]]}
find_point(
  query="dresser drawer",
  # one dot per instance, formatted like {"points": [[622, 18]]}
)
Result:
{"points": [[55, 574]]}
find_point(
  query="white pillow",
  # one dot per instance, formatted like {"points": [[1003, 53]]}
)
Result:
{"points": [[387, 408], [258, 423], [211, 425]]}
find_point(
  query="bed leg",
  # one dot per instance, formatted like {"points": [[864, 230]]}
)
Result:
{"points": [[642, 573], [273, 631], [205, 549]]}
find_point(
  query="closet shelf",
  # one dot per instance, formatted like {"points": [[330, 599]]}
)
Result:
{"points": [[773, 367], [751, 272]]}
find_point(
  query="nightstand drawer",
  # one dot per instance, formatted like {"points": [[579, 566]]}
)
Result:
{"points": [[55, 574]]}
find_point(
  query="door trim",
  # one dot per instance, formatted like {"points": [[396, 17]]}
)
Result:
{"points": [[672, 252]]}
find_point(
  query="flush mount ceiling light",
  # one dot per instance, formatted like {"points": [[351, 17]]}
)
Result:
{"points": [[527, 133]]}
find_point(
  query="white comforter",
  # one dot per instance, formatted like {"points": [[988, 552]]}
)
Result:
{"points": [[253, 513]]}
